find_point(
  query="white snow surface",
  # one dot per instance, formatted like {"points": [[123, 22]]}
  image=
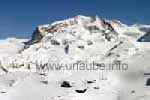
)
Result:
{"points": [[24, 64]]}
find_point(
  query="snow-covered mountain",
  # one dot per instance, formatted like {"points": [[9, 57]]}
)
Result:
{"points": [[86, 39], [80, 39]]}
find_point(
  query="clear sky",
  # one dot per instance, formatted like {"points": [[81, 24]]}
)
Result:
{"points": [[18, 18]]}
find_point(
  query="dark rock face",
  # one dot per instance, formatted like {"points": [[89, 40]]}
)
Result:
{"points": [[55, 42], [148, 82], [81, 91], [2, 92], [145, 38], [66, 84], [90, 82], [36, 36], [81, 47], [44, 82], [96, 88], [67, 49]]}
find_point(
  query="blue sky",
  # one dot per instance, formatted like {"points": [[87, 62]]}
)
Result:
{"points": [[18, 18]]}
